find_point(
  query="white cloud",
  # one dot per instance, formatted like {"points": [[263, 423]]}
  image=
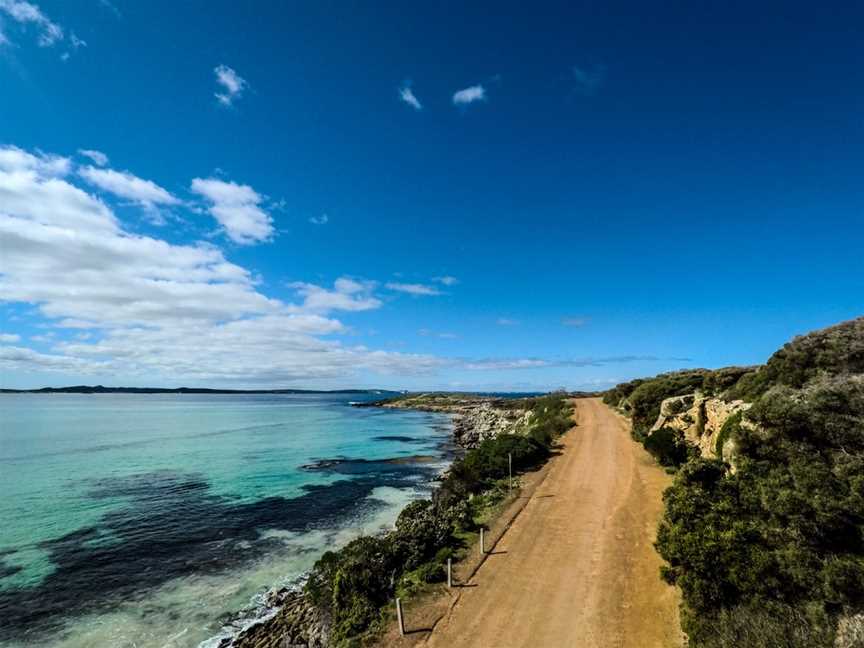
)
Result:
{"points": [[9, 337], [232, 84], [469, 95], [347, 295], [237, 208], [123, 184], [14, 159], [27, 13], [167, 312], [407, 95], [446, 280], [412, 288], [323, 219], [500, 365], [98, 157], [506, 321]]}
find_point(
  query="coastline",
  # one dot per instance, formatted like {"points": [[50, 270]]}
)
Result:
{"points": [[285, 613]]}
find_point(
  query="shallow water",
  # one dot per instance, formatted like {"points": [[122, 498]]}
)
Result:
{"points": [[150, 520]]}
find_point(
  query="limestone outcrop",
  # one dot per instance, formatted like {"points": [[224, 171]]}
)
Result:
{"points": [[701, 418], [475, 418]]}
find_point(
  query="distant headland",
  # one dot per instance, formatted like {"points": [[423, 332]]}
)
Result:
{"points": [[99, 389]]}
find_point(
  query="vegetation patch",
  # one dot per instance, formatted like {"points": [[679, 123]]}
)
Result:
{"points": [[772, 553], [668, 447]]}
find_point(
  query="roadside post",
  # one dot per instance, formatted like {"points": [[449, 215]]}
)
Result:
{"points": [[510, 468], [400, 617], [482, 546], [449, 572]]}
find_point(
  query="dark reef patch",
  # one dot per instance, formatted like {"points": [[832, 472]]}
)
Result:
{"points": [[391, 467], [400, 439], [7, 570], [173, 526]]}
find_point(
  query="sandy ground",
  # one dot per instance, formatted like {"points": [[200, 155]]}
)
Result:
{"points": [[576, 566]]}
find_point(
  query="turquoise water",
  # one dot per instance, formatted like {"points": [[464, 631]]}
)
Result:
{"points": [[150, 520]]}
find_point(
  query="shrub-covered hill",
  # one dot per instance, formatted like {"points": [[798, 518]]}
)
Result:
{"points": [[770, 552]]}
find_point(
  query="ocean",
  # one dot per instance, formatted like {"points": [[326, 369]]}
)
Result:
{"points": [[162, 520]]}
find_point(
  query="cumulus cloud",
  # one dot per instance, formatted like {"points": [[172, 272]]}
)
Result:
{"points": [[412, 288], [446, 280], [232, 85], [123, 184], [27, 13], [323, 219], [97, 157], [237, 209], [407, 96], [161, 310], [347, 295], [469, 95], [9, 337], [14, 159]]}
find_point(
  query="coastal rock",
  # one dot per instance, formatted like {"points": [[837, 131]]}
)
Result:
{"points": [[297, 623], [475, 418], [700, 418]]}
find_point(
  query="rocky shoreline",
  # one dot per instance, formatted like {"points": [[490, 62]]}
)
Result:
{"points": [[296, 622], [475, 418]]}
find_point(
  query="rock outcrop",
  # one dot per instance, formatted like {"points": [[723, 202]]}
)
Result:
{"points": [[475, 418], [700, 418], [296, 623]]}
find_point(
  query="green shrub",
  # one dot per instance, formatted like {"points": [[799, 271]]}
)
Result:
{"points": [[668, 447], [835, 350], [786, 529], [729, 430], [352, 584]]}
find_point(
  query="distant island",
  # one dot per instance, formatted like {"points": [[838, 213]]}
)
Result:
{"points": [[99, 389]]}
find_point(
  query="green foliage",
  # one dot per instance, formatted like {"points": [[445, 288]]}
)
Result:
{"points": [[668, 447], [619, 393], [765, 626], [785, 529], [832, 351], [353, 583], [490, 460], [718, 381], [730, 429], [769, 554]]}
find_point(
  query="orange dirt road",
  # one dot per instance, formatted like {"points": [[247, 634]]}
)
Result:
{"points": [[577, 568]]}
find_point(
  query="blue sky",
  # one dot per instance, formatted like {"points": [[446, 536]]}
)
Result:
{"points": [[357, 194]]}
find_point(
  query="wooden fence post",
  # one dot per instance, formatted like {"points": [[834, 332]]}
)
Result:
{"points": [[400, 617]]}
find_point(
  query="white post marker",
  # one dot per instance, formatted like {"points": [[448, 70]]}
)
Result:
{"points": [[510, 468], [482, 550], [449, 572], [400, 617]]}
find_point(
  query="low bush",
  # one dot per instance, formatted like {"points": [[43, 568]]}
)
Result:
{"points": [[668, 447], [785, 530]]}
